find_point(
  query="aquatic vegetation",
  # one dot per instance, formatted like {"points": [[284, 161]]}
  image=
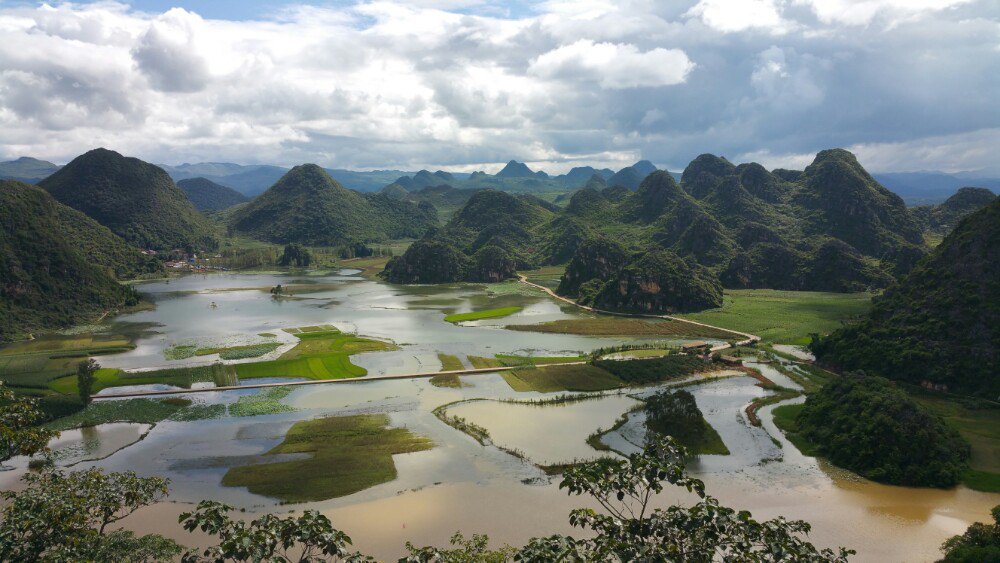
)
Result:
{"points": [[143, 411], [478, 433], [480, 315], [347, 454], [219, 374], [676, 414], [182, 352], [323, 352], [450, 363], [480, 362], [249, 351], [267, 401]]}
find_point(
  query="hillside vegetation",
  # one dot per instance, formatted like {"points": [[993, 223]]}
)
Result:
{"points": [[309, 207], [941, 323], [942, 218], [57, 266], [672, 246], [867, 425], [136, 200]]}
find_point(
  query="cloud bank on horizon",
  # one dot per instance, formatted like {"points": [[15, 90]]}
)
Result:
{"points": [[470, 84]]}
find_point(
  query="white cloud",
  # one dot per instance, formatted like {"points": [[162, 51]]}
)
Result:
{"points": [[739, 15], [418, 84], [862, 12], [168, 55], [613, 65]]}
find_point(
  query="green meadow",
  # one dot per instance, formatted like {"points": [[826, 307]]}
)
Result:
{"points": [[786, 317]]}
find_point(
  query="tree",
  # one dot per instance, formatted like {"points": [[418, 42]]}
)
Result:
{"points": [[17, 435], [630, 530], [277, 291], [85, 378], [980, 543], [309, 537], [295, 254], [475, 549], [676, 414], [65, 517]]}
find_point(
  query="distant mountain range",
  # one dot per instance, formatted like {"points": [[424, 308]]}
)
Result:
{"points": [[206, 195], [830, 227], [916, 188]]}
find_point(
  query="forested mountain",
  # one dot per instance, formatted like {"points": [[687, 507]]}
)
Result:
{"points": [[27, 169], [58, 266], [941, 323], [136, 200], [307, 206], [941, 219], [487, 240], [831, 228], [206, 195]]}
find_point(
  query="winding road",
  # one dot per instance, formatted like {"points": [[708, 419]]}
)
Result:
{"points": [[748, 338]]}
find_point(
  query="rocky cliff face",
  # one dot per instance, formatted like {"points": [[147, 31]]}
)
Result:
{"points": [[660, 282], [595, 259], [491, 264]]}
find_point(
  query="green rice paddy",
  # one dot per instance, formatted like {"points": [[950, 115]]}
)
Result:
{"points": [[480, 315]]}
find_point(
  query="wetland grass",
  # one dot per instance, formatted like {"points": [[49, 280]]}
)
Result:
{"points": [[346, 454], [480, 315]]}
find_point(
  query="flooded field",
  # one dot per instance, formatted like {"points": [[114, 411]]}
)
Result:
{"points": [[460, 484]]}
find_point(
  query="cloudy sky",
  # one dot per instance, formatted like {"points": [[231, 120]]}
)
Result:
{"points": [[470, 84]]}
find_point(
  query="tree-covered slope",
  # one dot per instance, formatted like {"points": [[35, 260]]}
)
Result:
{"points": [[136, 200], [47, 279], [829, 228], [941, 323], [307, 206], [206, 195], [867, 425], [843, 201], [494, 231], [941, 219]]}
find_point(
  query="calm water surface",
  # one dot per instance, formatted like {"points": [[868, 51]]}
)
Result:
{"points": [[459, 484]]}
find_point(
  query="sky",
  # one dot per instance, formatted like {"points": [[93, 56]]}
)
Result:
{"points": [[469, 84]]}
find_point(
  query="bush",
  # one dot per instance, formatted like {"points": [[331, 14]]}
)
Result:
{"points": [[868, 425]]}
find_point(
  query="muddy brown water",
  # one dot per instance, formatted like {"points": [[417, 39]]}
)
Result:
{"points": [[459, 484]]}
